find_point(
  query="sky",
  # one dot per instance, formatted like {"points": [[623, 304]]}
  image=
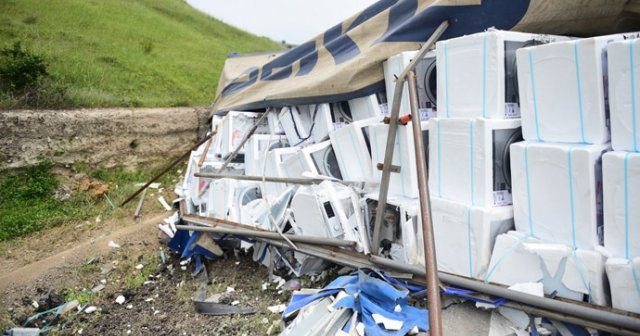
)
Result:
{"points": [[294, 21]]}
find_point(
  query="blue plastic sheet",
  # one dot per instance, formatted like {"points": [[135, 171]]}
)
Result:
{"points": [[369, 294]]}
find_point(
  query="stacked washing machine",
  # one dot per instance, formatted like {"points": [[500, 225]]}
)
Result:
{"points": [[478, 118], [558, 174], [621, 177]]}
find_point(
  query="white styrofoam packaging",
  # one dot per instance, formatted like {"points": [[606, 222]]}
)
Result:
{"points": [[624, 275], [317, 160], [621, 185], [557, 191], [392, 68], [404, 183], [624, 94], [306, 124], [351, 150], [468, 159], [234, 127], [329, 210], [563, 93], [476, 75], [570, 273], [256, 150], [274, 168], [374, 105], [465, 235], [226, 197]]}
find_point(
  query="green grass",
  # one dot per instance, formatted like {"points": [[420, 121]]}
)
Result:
{"points": [[27, 202], [125, 52]]}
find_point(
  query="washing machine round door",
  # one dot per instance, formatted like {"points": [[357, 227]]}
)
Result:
{"points": [[430, 82], [330, 163], [506, 156]]}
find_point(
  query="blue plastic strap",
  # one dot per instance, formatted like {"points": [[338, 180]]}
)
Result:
{"points": [[571, 203], [626, 205], [533, 93], [446, 77], [439, 160], [633, 98], [526, 172], [580, 109], [469, 242], [484, 76]]}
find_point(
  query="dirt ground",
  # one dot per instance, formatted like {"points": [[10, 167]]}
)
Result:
{"points": [[65, 263]]}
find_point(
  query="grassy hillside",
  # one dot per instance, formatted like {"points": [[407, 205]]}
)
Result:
{"points": [[123, 52]]}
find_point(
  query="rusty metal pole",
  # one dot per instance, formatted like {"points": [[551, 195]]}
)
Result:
{"points": [[167, 168], [391, 136], [430, 261]]}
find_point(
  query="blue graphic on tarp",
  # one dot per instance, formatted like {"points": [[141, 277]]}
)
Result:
{"points": [[405, 24]]}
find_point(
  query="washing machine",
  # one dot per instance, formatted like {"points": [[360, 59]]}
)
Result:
{"points": [[256, 150], [401, 231], [511, 94], [502, 140], [427, 82], [317, 159], [234, 127]]}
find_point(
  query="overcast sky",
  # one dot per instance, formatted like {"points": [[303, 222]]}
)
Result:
{"points": [[294, 21]]}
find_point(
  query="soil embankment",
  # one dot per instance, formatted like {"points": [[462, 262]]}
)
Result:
{"points": [[95, 137]]}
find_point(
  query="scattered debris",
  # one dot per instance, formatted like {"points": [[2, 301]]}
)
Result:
{"points": [[113, 245], [120, 299], [90, 309], [277, 309], [164, 203], [139, 266], [97, 288]]}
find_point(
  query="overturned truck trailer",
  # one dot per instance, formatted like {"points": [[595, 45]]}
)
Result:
{"points": [[524, 112]]}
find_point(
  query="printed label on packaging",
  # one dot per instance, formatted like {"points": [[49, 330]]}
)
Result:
{"points": [[339, 125], [502, 197], [426, 113], [384, 109], [511, 110]]}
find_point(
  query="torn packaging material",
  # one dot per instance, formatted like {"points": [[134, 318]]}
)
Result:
{"points": [[392, 68], [567, 272], [621, 184], [316, 159], [623, 66], [404, 183], [274, 168], [370, 106], [465, 235], [235, 125], [351, 147], [563, 92], [476, 76], [255, 150], [558, 192], [624, 283], [366, 296], [469, 160], [306, 123]]}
